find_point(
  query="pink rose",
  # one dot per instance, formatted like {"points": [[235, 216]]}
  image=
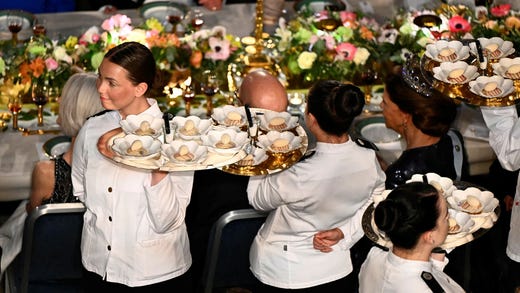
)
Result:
{"points": [[51, 64]]}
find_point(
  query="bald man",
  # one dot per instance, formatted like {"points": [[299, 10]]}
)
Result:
{"points": [[260, 89], [216, 192]]}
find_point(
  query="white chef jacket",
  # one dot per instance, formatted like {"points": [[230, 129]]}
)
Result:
{"points": [[386, 272], [504, 138], [319, 193], [133, 233]]}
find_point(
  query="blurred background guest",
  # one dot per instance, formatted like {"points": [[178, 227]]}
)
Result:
{"points": [[51, 181], [332, 187], [415, 218]]}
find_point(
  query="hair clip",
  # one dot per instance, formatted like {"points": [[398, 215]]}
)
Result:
{"points": [[413, 77]]}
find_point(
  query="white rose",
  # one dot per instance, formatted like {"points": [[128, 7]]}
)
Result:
{"points": [[306, 59], [361, 56], [60, 54]]}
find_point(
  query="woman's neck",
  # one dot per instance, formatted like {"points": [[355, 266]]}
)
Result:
{"points": [[138, 106], [332, 139], [412, 254], [415, 138]]}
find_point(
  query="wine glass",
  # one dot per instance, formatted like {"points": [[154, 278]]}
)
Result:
{"points": [[40, 98], [209, 85], [14, 105], [14, 23], [188, 96], [174, 16], [197, 19], [39, 28]]}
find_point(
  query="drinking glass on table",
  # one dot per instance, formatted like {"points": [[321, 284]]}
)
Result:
{"points": [[174, 16], [39, 27], [14, 23], [197, 19], [40, 97], [188, 96], [209, 85], [14, 105]]}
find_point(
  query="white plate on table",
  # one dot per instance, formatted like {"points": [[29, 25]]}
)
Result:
{"points": [[56, 146]]}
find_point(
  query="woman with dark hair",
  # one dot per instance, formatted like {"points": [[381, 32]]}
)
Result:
{"points": [[134, 233], [423, 118], [331, 188], [415, 218]]}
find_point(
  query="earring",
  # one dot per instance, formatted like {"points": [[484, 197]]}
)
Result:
{"points": [[405, 126]]}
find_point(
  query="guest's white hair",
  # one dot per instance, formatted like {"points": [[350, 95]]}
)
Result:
{"points": [[79, 100]]}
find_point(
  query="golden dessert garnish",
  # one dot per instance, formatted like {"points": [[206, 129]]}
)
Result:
{"points": [[277, 123], [447, 54], [453, 226], [137, 149], [247, 161], [491, 89], [457, 76], [144, 129], [189, 128], [471, 205], [225, 142], [280, 145], [513, 71], [233, 119], [492, 51], [184, 154]]}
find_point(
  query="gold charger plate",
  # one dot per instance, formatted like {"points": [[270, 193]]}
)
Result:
{"points": [[161, 162], [481, 226], [275, 162]]}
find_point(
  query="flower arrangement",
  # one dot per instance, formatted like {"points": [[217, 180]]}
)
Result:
{"points": [[211, 49], [325, 45], [497, 21]]}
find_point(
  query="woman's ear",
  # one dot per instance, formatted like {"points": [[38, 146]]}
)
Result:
{"points": [[428, 238], [140, 89]]}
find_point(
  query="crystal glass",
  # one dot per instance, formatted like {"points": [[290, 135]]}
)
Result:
{"points": [[209, 85], [14, 105], [188, 96], [39, 27], [40, 96], [14, 23], [174, 16], [197, 19]]}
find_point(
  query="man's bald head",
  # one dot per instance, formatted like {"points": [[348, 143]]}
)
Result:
{"points": [[260, 89]]}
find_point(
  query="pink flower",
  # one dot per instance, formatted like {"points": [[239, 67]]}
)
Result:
{"points": [[51, 64], [459, 24], [347, 16], [501, 10], [220, 49], [118, 22], [345, 51]]}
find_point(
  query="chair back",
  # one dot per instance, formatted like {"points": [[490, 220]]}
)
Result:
{"points": [[50, 260], [227, 264]]}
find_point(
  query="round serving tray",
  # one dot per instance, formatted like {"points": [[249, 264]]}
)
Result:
{"points": [[482, 225]]}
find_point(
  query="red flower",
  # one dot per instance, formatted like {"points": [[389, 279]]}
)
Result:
{"points": [[500, 10], [459, 24]]}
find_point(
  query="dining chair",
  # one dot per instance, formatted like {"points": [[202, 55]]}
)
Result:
{"points": [[50, 259], [227, 264]]}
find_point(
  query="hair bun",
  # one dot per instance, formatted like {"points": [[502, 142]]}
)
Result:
{"points": [[387, 215]]}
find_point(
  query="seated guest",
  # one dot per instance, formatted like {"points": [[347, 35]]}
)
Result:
{"points": [[331, 188], [51, 181], [216, 192], [415, 218], [423, 119]]}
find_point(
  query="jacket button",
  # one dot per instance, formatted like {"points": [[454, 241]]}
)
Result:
{"points": [[110, 218], [109, 248], [110, 189]]}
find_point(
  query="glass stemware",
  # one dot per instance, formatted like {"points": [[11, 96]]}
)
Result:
{"points": [[209, 85], [174, 16], [14, 105], [197, 19], [40, 97], [39, 28], [14, 23], [188, 96]]}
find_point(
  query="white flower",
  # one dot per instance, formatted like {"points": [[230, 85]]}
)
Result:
{"points": [[60, 54], [361, 56], [388, 36], [306, 59], [137, 35]]}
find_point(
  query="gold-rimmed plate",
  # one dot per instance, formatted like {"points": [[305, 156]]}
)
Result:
{"points": [[56, 145]]}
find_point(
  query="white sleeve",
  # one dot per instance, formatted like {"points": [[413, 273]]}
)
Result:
{"points": [[504, 134], [79, 164]]}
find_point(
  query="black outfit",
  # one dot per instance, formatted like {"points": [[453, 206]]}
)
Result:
{"points": [[436, 158], [62, 192], [214, 193]]}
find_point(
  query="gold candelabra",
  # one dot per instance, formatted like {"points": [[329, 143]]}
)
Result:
{"points": [[258, 59]]}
